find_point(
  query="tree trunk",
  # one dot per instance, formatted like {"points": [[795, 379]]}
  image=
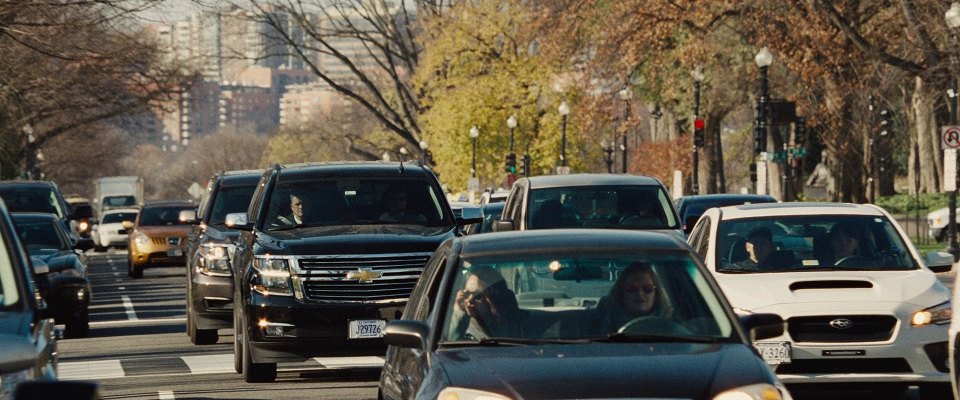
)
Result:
{"points": [[922, 119]]}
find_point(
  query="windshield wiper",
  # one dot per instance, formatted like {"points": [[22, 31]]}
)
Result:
{"points": [[636, 338]]}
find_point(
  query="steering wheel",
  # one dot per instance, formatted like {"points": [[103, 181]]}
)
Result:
{"points": [[855, 257], [654, 325]]}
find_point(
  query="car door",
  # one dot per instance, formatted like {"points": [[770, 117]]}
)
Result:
{"points": [[405, 368]]}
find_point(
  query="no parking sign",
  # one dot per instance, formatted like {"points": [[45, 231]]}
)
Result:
{"points": [[950, 136]]}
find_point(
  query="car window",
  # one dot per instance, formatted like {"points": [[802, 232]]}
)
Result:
{"points": [[8, 277], [40, 235], [234, 199], [566, 296], [801, 243], [161, 216], [629, 207], [42, 200], [109, 218], [119, 201]]}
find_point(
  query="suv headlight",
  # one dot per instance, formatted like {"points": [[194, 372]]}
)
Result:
{"points": [[274, 276], [759, 391], [140, 239], [939, 314], [214, 259]]}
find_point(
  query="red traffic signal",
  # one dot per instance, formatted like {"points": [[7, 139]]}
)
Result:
{"points": [[698, 124]]}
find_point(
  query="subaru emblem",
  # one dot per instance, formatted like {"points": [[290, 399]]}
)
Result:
{"points": [[841, 323]]}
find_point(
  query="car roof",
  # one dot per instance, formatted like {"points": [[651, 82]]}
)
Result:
{"points": [[244, 177], [724, 197], [34, 216], [548, 181], [29, 184], [798, 208], [169, 203], [354, 168], [120, 210], [569, 240]]}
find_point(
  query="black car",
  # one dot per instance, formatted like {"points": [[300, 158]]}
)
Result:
{"points": [[66, 287], [40, 196], [573, 313], [490, 212], [29, 349], [328, 252], [692, 207], [208, 251]]}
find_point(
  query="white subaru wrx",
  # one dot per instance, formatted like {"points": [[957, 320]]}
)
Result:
{"points": [[860, 304]]}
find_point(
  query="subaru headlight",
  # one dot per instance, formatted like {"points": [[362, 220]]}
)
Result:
{"points": [[939, 314], [759, 391], [140, 239], [274, 276], [214, 259], [458, 393]]}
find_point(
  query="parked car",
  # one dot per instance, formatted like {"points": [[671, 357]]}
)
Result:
{"points": [[66, 288], [29, 350], [552, 314], [690, 208], [328, 252], [937, 226], [861, 304], [209, 248], [158, 236], [589, 201], [39, 196], [114, 227]]}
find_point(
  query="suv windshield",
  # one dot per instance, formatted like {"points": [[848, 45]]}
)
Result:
{"points": [[118, 217], [789, 243], [355, 201], [160, 216], [583, 297], [32, 200], [40, 235], [629, 207], [230, 200]]}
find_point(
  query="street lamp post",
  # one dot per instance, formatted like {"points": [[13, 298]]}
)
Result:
{"points": [[952, 18], [608, 154], [697, 75], [763, 60], [625, 95], [423, 151], [474, 133], [564, 109]]}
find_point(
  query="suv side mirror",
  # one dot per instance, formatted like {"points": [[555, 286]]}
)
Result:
{"points": [[470, 215], [503, 225], [126, 224], [939, 261], [237, 221]]}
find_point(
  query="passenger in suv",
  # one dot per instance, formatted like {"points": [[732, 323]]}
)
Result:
{"points": [[209, 248], [328, 286]]}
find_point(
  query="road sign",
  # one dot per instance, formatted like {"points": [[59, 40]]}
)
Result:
{"points": [[949, 170], [195, 190], [473, 184], [951, 136]]}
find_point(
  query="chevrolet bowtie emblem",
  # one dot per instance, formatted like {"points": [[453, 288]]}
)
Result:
{"points": [[365, 275]]}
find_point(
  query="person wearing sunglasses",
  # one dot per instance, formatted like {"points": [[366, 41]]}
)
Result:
{"points": [[486, 307], [635, 294]]}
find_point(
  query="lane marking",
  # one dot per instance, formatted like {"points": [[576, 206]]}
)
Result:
{"points": [[139, 322], [210, 364], [166, 395], [350, 362], [131, 314], [90, 370]]}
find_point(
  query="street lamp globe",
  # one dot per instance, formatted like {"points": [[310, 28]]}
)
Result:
{"points": [[564, 108], [474, 132], [763, 57], [423, 145], [625, 94], [697, 74], [512, 122], [953, 16]]}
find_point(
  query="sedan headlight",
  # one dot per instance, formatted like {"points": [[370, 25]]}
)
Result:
{"points": [[759, 391], [274, 276], [214, 259], [458, 393], [939, 314], [140, 239]]}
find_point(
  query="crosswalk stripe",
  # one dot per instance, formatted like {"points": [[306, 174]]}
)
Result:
{"points": [[90, 370], [205, 364], [209, 364], [350, 362]]}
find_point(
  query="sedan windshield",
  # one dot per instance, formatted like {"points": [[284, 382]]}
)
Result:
{"points": [[621, 207], [583, 297], [811, 243], [117, 217], [40, 235], [162, 216], [32, 200]]}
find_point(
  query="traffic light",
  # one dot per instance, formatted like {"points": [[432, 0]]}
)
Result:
{"points": [[760, 138], [800, 132], [886, 122], [698, 132], [526, 165], [511, 163]]}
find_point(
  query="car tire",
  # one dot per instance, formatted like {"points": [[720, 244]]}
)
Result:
{"points": [[931, 391], [256, 372], [77, 326], [204, 337], [134, 271]]}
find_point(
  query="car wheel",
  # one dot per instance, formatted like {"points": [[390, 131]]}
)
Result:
{"points": [[936, 391], [78, 326], [204, 336], [134, 271], [256, 372]]}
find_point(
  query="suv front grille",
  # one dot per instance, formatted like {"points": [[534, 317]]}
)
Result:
{"points": [[325, 277], [863, 328]]}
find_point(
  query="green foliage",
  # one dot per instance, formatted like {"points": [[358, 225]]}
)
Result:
{"points": [[907, 203]]}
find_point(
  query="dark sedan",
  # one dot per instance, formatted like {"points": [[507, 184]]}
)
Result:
{"points": [[66, 287], [573, 314], [692, 207]]}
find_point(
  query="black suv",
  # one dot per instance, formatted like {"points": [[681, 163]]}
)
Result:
{"points": [[40, 196], [328, 252], [208, 251]]}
